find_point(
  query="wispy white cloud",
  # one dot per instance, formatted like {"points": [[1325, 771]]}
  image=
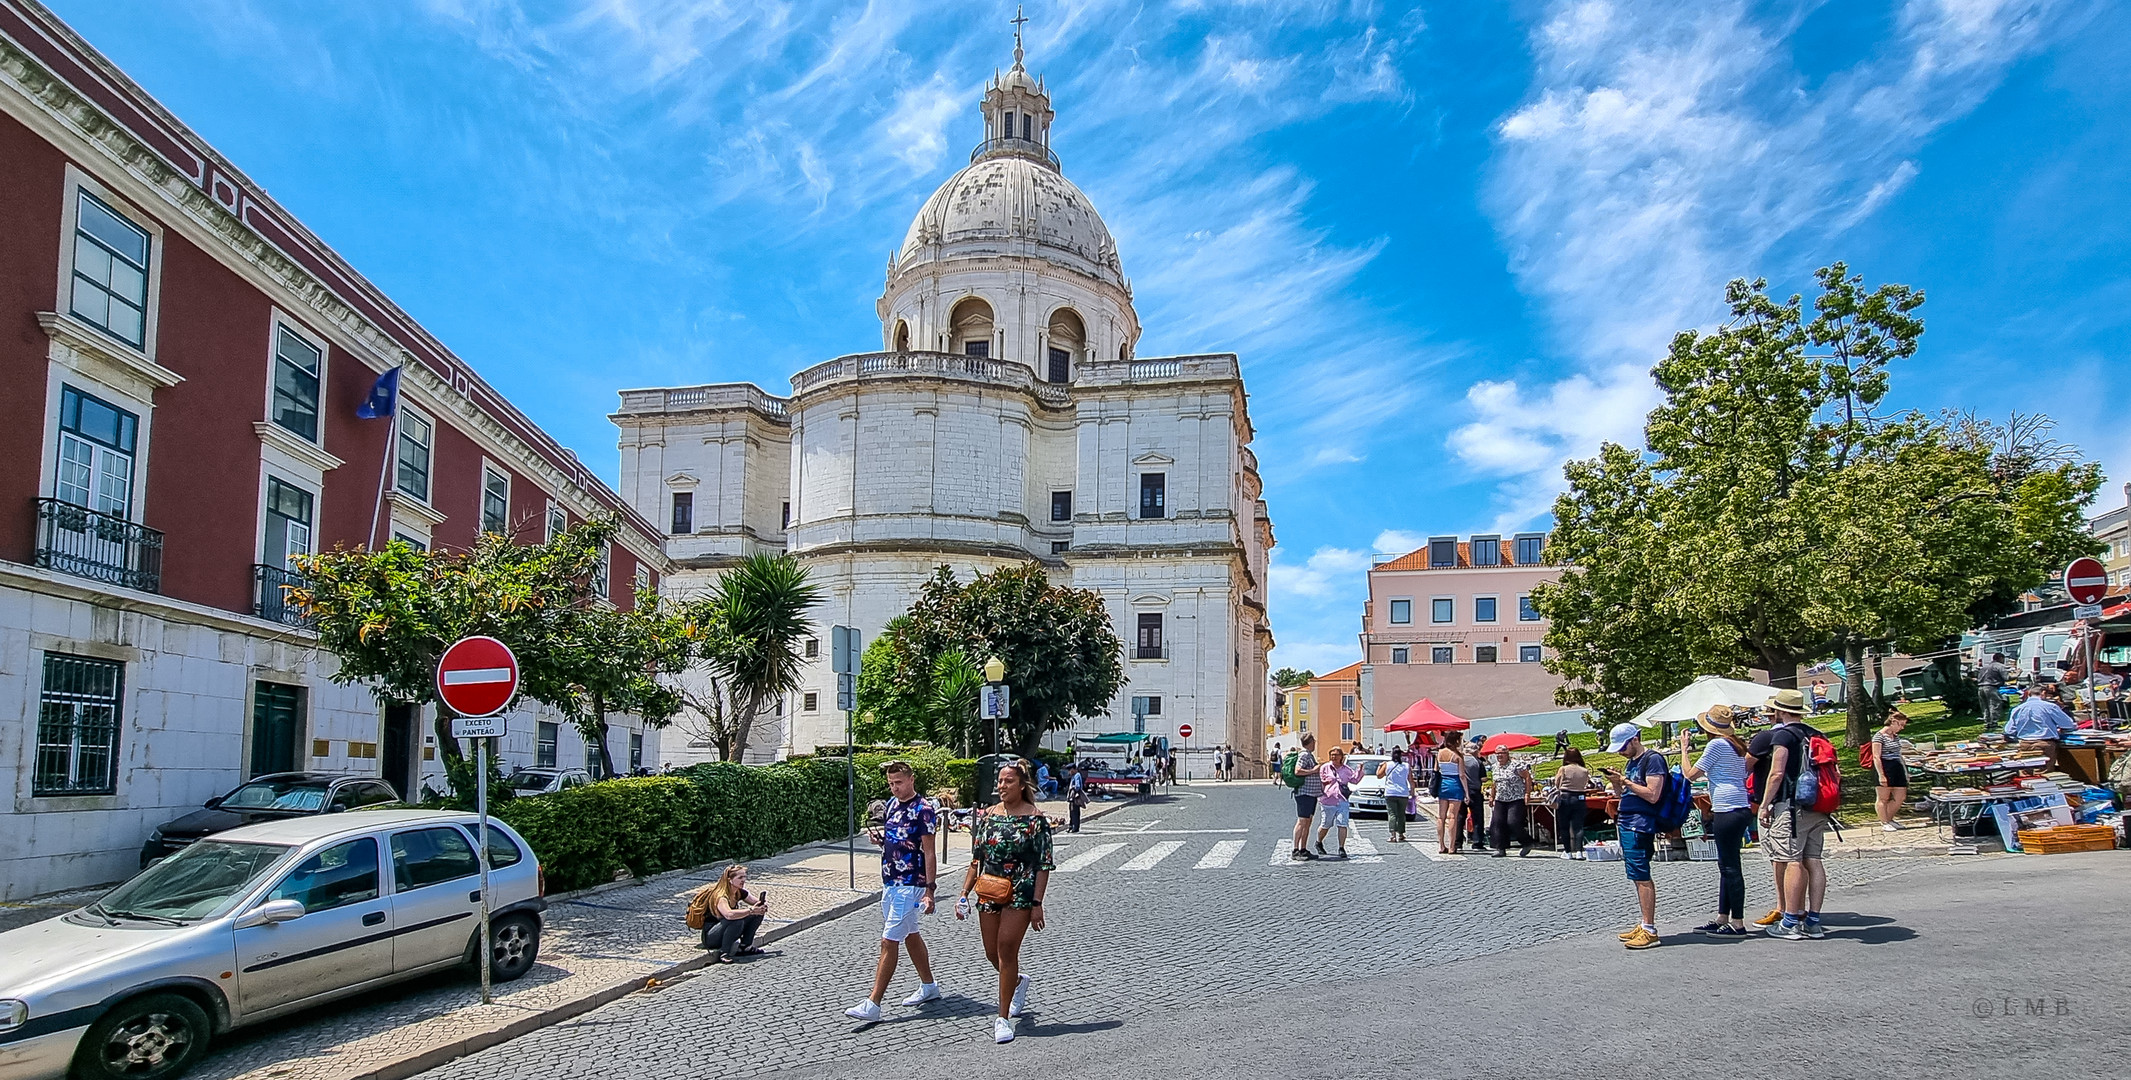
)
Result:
{"points": [[1665, 147]]}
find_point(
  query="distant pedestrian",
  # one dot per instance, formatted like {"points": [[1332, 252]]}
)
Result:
{"points": [[1640, 787], [910, 863], [1820, 696], [734, 916], [1397, 775], [1475, 768], [1338, 780], [1890, 771], [1730, 811], [1009, 871], [1306, 795], [1561, 742], [1450, 796], [1572, 785], [1045, 786], [1228, 763], [1991, 675], [1076, 796], [1513, 781], [1791, 837]]}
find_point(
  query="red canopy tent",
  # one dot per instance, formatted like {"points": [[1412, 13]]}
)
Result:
{"points": [[1426, 715], [1508, 740]]}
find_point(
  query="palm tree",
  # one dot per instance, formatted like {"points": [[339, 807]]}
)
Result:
{"points": [[758, 620], [951, 714]]}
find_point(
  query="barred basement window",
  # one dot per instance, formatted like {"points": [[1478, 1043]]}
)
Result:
{"points": [[77, 726]]}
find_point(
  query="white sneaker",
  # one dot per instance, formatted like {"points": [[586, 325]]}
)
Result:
{"points": [[868, 1010], [1021, 997], [1890, 827], [925, 992], [1002, 1030]]}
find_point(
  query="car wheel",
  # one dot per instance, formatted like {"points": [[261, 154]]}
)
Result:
{"points": [[514, 943], [147, 1038]]}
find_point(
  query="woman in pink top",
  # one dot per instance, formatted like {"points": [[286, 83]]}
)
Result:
{"points": [[1339, 779]]}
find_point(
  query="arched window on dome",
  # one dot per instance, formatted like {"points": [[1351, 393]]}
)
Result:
{"points": [[1124, 351], [971, 326], [1068, 337], [902, 336]]}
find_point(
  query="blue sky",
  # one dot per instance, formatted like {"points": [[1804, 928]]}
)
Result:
{"points": [[1447, 240]]}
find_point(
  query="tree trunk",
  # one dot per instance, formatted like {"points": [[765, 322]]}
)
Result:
{"points": [[1879, 684], [1853, 683], [446, 744], [599, 728], [744, 710]]}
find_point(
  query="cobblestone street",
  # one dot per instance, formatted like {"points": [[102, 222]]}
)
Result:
{"points": [[1178, 909]]}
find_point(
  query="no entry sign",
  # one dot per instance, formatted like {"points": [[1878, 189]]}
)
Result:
{"points": [[477, 676], [2086, 580], [1183, 731]]}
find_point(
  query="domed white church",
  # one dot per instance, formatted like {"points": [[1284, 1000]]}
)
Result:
{"points": [[1005, 420]]}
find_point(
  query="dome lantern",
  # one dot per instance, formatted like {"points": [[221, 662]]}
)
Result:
{"points": [[1017, 113]]}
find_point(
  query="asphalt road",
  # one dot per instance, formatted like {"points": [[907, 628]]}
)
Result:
{"points": [[1178, 947]]}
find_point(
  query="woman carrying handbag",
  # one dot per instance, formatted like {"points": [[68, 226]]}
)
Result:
{"points": [[1009, 870]]}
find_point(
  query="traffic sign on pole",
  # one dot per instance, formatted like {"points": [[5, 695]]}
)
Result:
{"points": [[1183, 731], [992, 701], [2086, 579], [477, 676]]}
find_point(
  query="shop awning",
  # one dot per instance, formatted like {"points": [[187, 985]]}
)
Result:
{"points": [[1115, 737]]}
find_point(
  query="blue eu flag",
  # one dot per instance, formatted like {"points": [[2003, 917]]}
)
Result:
{"points": [[384, 399]]}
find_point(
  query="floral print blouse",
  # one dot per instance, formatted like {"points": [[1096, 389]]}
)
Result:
{"points": [[1014, 847]]}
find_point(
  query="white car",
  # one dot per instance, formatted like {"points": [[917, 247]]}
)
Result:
{"points": [[254, 923], [541, 780], [1368, 794]]}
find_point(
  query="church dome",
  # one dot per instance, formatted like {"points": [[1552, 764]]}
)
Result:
{"points": [[1009, 203]]}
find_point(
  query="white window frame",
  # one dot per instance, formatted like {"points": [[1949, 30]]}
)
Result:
{"points": [[1476, 608], [399, 431], [603, 573], [1453, 654], [1523, 645], [1433, 601], [77, 182], [1524, 599], [299, 482], [1402, 654], [555, 510], [488, 469], [281, 322], [1391, 611]]}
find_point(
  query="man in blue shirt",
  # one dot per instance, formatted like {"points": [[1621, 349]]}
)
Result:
{"points": [[2039, 724], [1640, 787]]}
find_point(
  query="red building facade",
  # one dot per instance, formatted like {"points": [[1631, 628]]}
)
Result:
{"points": [[183, 363]]}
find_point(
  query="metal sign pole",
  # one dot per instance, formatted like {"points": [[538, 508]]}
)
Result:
{"points": [[481, 805], [850, 802]]}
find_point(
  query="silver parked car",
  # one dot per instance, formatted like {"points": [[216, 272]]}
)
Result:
{"points": [[1367, 798], [254, 923]]}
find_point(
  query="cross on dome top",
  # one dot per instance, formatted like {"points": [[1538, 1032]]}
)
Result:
{"points": [[1018, 20], [1017, 111]]}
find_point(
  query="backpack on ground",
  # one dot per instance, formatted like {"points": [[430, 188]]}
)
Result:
{"points": [[1288, 775], [1819, 784], [699, 907]]}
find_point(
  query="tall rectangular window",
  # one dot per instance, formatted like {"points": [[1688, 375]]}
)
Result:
{"points": [[1486, 550], [288, 523], [786, 521], [1531, 549], [1346, 702], [1525, 611], [277, 728], [1008, 133], [1401, 655], [78, 714], [1061, 366], [1442, 609], [1149, 644], [1483, 609], [1061, 506], [545, 738], [603, 572], [1442, 552], [296, 367], [1153, 495], [417, 435], [1442, 654], [495, 501], [636, 750], [96, 442], [684, 513], [1401, 612], [592, 761], [1028, 122], [558, 521], [110, 272]]}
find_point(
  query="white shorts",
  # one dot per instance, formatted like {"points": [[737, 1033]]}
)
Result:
{"points": [[900, 907]]}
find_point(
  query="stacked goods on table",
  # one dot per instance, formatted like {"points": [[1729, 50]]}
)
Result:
{"points": [[2065, 838]]}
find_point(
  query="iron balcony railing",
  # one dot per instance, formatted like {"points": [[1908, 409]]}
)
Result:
{"points": [[1023, 147], [101, 547], [270, 596]]}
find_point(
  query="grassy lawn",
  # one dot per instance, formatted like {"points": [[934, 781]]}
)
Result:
{"points": [[1927, 720]]}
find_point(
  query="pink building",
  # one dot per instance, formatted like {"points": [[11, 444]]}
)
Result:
{"points": [[1453, 622]]}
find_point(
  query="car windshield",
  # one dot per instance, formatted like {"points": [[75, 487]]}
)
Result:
{"points": [[296, 796], [200, 882], [530, 781]]}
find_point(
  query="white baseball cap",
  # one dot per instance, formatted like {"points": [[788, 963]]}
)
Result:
{"points": [[1622, 735]]}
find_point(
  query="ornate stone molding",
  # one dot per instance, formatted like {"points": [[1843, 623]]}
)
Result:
{"points": [[79, 337], [287, 442], [413, 509]]}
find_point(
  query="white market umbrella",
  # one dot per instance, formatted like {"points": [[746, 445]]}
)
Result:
{"points": [[1696, 697]]}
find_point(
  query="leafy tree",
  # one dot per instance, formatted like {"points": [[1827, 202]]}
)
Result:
{"points": [[1062, 658], [1288, 677], [620, 662], [1781, 517], [388, 615], [750, 629]]}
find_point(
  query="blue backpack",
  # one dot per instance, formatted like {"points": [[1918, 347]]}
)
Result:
{"points": [[1675, 803]]}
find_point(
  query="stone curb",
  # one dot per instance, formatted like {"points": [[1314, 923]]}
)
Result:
{"points": [[473, 1044]]}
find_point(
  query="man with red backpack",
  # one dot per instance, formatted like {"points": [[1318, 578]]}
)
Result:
{"points": [[1795, 791]]}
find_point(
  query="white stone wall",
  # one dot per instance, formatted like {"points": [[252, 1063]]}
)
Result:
{"points": [[1024, 294], [733, 460], [185, 719]]}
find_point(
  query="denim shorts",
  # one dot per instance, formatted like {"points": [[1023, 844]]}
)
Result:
{"points": [[1305, 806], [1452, 791], [1635, 848], [1334, 815]]}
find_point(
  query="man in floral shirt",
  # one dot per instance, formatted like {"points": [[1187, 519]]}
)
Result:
{"points": [[908, 835]]}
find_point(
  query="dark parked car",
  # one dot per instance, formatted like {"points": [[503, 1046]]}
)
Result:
{"points": [[273, 797]]}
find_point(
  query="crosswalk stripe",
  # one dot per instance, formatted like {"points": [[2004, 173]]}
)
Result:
{"points": [[1283, 851], [1364, 848], [1222, 854], [1087, 858], [1147, 859]]}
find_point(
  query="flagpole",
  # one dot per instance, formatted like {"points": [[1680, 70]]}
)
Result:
{"points": [[384, 469]]}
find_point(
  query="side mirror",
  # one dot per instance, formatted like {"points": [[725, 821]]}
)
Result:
{"points": [[336, 808], [213, 803], [271, 913]]}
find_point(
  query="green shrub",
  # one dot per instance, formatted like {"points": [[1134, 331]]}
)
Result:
{"points": [[585, 835]]}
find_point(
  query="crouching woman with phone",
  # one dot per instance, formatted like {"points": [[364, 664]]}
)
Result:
{"points": [[1009, 869], [734, 916]]}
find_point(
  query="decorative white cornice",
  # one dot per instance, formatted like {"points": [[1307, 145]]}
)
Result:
{"points": [[413, 509], [289, 443], [83, 338]]}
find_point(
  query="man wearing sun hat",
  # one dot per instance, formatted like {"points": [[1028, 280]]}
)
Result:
{"points": [[1790, 836], [1640, 785]]}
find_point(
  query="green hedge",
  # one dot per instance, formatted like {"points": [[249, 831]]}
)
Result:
{"points": [[643, 825]]}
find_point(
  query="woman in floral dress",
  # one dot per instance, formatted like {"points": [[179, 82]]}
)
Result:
{"points": [[1012, 841]]}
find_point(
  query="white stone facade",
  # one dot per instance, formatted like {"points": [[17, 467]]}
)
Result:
{"points": [[1005, 422]]}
